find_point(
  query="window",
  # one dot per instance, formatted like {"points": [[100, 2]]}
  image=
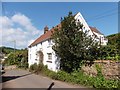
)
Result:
{"points": [[49, 56], [30, 49], [30, 56], [49, 42]]}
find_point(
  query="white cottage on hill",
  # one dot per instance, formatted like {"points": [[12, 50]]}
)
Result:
{"points": [[40, 51]]}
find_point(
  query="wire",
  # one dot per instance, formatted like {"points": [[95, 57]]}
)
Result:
{"points": [[103, 16], [106, 12], [99, 15]]}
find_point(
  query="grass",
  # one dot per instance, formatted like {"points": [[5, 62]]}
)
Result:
{"points": [[77, 77]]}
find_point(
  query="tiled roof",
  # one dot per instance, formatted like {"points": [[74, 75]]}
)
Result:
{"points": [[45, 36], [48, 34], [93, 29]]}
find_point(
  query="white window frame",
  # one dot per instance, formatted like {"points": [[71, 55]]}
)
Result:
{"points": [[49, 56], [49, 42]]}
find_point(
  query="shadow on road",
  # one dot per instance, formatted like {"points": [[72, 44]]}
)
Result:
{"points": [[8, 78]]}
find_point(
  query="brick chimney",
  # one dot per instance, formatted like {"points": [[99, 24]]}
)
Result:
{"points": [[45, 29]]}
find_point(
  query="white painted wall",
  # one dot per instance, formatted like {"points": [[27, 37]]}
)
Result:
{"points": [[101, 37], [45, 47], [86, 27]]}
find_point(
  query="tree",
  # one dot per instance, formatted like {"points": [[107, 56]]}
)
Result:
{"points": [[112, 50], [20, 59], [73, 45]]}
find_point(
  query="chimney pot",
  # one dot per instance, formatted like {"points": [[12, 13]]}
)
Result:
{"points": [[46, 29]]}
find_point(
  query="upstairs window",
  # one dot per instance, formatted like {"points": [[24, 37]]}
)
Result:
{"points": [[49, 42], [30, 56]]}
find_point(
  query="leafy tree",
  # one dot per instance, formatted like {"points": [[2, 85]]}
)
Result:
{"points": [[112, 50], [114, 42], [72, 44], [19, 58], [7, 50]]}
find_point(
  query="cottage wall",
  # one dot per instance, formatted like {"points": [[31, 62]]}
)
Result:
{"points": [[46, 48]]}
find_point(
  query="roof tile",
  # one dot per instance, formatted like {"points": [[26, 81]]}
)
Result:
{"points": [[48, 34]]}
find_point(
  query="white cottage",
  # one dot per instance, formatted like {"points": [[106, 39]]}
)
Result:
{"points": [[41, 49]]}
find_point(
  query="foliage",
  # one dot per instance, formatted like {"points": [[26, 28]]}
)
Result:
{"points": [[62, 75], [19, 58], [7, 50], [99, 70], [37, 68], [11, 60], [77, 77], [33, 67], [73, 45], [40, 68], [113, 39], [112, 50]]}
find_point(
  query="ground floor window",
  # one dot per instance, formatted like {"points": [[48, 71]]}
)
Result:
{"points": [[49, 56]]}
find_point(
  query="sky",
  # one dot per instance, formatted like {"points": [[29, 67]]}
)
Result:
{"points": [[23, 22]]}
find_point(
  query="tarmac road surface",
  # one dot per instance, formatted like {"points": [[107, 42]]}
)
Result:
{"points": [[25, 79]]}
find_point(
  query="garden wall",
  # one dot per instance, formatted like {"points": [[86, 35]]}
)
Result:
{"points": [[110, 69]]}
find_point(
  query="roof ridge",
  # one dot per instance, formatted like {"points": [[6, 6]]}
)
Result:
{"points": [[48, 34]]}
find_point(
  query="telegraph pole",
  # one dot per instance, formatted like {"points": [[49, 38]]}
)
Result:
{"points": [[100, 49], [14, 48]]}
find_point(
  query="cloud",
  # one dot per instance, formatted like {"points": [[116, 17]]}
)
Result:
{"points": [[19, 28], [25, 22], [5, 22]]}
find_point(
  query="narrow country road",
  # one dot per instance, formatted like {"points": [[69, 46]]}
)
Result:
{"points": [[24, 79]]}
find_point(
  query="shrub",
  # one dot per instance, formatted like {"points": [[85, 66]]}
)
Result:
{"points": [[39, 68], [53, 75], [25, 65], [99, 70], [117, 57], [77, 77], [62, 75], [33, 67]]}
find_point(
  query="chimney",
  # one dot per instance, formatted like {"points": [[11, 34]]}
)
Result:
{"points": [[45, 29]]}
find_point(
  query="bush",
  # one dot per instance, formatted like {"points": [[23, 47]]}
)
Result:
{"points": [[77, 77], [25, 65], [117, 57], [62, 75], [53, 75], [39, 68], [19, 58], [49, 73], [33, 67]]}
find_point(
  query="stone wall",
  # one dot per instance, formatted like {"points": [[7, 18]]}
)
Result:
{"points": [[109, 69], [10, 67]]}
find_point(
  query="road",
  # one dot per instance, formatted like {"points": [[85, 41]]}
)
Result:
{"points": [[24, 79]]}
